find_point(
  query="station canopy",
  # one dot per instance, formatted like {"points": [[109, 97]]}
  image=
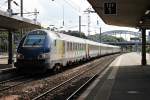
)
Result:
{"points": [[129, 13], [14, 22]]}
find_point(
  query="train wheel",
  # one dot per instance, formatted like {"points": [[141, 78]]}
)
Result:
{"points": [[57, 68]]}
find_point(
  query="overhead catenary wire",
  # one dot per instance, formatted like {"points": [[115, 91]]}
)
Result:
{"points": [[68, 2], [4, 3], [14, 2], [26, 12], [77, 10]]}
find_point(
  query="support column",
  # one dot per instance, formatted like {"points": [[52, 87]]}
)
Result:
{"points": [[10, 47], [80, 26], [9, 8], [100, 38], [9, 4], [143, 62], [21, 8]]}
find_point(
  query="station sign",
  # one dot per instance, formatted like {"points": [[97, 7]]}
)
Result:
{"points": [[109, 8]]}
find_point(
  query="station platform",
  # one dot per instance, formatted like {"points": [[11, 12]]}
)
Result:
{"points": [[4, 63], [124, 79]]}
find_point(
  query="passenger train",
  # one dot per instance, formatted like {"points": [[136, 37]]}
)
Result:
{"points": [[43, 49]]}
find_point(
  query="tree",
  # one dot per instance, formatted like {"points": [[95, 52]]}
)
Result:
{"points": [[75, 33], [105, 38]]}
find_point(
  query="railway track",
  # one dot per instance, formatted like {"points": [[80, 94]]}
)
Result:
{"points": [[13, 89], [77, 92], [45, 87], [45, 94], [11, 79], [10, 83]]}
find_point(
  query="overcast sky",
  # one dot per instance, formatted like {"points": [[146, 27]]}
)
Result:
{"points": [[51, 13]]}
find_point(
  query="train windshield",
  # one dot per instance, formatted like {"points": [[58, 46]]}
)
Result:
{"points": [[35, 39]]}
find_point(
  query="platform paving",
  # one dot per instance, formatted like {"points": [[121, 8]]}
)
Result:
{"points": [[4, 63], [125, 80]]}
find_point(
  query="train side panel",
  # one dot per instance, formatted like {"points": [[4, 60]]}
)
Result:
{"points": [[62, 49]]}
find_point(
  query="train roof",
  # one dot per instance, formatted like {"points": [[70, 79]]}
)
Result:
{"points": [[69, 38], [62, 36]]}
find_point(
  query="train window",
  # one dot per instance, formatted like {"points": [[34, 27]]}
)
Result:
{"points": [[34, 40], [70, 46], [76, 46], [55, 43], [38, 32], [73, 46], [67, 46], [80, 46]]}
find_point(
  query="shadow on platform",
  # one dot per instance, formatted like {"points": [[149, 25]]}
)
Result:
{"points": [[132, 83]]}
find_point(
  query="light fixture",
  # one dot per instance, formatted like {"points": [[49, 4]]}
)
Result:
{"points": [[147, 12], [140, 21]]}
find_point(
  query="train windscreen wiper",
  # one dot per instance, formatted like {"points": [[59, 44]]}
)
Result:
{"points": [[37, 42]]}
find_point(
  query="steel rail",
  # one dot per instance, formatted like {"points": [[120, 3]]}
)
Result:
{"points": [[9, 87], [63, 83], [8, 80], [88, 81]]}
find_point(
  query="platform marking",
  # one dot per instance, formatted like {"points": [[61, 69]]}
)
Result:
{"points": [[105, 90], [91, 87], [113, 73], [133, 92]]}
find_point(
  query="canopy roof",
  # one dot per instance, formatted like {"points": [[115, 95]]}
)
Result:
{"points": [[129, 13], [15, 22]]}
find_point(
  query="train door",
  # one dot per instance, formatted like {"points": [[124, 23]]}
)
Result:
{"points": [[87, 51], [60, 48], [99, 50]]}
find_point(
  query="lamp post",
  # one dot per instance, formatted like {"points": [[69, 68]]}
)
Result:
{"points": [[21, 8], [80, 25], [63, 16], [63, 22], [9, 10], [88, 10]]}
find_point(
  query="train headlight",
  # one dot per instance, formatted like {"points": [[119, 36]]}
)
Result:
{"points": [[20, 56], [44, 56]]}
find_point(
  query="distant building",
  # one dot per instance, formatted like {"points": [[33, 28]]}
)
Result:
{"points": [[135, 39], [126, 35]]}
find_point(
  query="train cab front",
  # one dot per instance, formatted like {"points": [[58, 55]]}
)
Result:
{"points": [[33, 51]]}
